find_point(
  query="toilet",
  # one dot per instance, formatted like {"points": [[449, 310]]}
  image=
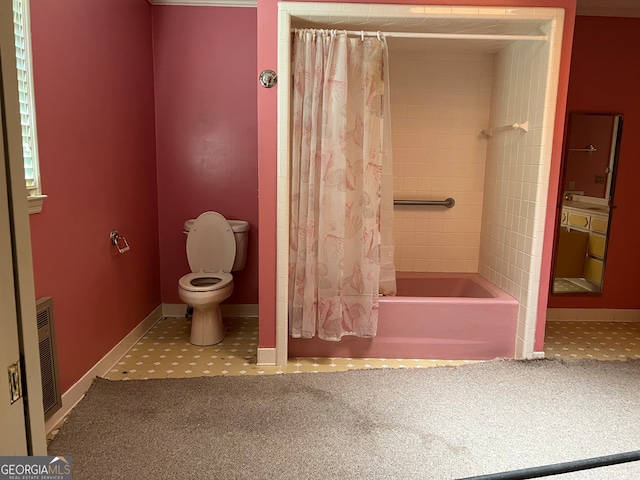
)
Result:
{"points": [[215, 247]]}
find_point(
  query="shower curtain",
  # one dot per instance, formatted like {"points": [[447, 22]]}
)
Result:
{"points": [[341, 228]]}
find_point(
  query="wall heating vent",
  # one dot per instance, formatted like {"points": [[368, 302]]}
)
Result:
{"points": [[51, 396]]}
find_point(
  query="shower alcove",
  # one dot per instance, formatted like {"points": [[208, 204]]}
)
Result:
{"points": [[483, 67]]}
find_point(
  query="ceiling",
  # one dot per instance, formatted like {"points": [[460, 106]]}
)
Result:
{"points": [[605, 8], [615, 8], [609, 8]]}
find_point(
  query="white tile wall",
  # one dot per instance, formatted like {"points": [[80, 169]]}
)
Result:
{"points": [[517, 174], [439, 104]]}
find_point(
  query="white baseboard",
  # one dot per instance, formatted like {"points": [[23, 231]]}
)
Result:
{"points": [[266, 356], [538, 355], [72, 396], [178, 310]]}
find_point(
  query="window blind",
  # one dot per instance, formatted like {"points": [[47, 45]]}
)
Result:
{"points": [[27, 116]]}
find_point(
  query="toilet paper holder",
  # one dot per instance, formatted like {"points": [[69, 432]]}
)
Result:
{"points": [[115, 240]]}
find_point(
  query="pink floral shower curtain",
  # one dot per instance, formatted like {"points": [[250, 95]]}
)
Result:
{"points": [[341, 186]]}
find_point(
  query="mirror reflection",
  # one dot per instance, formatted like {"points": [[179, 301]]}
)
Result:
{"points": [[589, 175]]}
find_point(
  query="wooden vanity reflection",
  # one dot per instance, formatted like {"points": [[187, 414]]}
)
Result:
{"points": [[589, 167], [582, 244]]}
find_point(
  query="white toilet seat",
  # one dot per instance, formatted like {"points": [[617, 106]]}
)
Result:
{"points": [[197, 282]]}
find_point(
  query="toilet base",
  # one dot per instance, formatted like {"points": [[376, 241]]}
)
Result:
{"points": [[206, 322], [206, 326]]}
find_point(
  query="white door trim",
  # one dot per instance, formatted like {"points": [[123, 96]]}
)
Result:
{"points": [[15, 195]]}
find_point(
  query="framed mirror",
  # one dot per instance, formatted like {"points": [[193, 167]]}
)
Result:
{"points": [[590, 156]]}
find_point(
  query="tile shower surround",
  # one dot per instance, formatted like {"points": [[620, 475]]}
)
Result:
{"points": [[524, 82], [439, 105]]}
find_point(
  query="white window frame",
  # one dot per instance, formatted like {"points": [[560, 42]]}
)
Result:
{"points": [[24, 67]]}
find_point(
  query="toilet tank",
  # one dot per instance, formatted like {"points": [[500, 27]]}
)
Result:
{"points": [[240, 232]]}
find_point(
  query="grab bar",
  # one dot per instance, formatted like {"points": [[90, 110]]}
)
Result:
{"points": [[449, 202]]}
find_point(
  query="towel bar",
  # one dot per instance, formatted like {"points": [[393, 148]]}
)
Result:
{"points": [[449, 202]]}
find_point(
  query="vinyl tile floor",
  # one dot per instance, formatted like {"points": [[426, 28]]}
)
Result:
{"points": [[598, 340], [165, 351]]}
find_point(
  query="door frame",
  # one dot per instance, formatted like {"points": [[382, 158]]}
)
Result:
{"points": [[11, 409], [20, 247]]}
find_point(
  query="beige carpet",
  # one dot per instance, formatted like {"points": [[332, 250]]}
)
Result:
{"points": [[434, 423]]}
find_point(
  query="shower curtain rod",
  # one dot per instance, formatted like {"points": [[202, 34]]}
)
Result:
{"points": [[451, 36]]}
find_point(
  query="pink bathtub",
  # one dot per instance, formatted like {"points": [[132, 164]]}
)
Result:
{"points": [[449, 316]]}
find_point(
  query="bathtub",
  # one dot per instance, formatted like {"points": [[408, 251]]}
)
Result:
{"points": [[448, 316]]}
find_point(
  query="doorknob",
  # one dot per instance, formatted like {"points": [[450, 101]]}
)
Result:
{"points": [[268, 78]]}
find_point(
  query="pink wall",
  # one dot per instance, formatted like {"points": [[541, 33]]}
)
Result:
{"points": [[584, 130], [94, 98], [607, 46], [205, 94], [267, 117]]}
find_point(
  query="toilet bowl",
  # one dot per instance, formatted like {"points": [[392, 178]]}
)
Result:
{"points": [[212, 252]]}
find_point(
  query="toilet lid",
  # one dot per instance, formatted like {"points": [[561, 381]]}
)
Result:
{"points": [[211, 244]]}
